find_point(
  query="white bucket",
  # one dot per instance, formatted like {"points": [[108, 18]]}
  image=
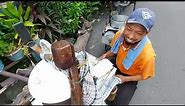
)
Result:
{"points": [[118, 21], [48, 85], [107, 38]]}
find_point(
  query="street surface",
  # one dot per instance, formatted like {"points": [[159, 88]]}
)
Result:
{"points": [[168, 39]]}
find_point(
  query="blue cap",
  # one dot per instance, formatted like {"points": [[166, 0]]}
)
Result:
{"points": [[143, 16]]}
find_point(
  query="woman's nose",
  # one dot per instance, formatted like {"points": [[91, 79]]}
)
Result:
{"points": [[131, 35]]}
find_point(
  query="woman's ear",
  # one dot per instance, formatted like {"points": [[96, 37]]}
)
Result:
{"points": [[147, 32]]}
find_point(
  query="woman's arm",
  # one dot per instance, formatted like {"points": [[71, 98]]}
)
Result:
{"points": [[137, 77], [108, 54]]}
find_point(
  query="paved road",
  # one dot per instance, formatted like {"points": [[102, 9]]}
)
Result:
{"points": [[167, 36], [168, 39]]}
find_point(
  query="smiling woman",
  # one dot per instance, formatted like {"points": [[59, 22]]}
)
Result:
{"points": [[133, 33], [135, 56]]}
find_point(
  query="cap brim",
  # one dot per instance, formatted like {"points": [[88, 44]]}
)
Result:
{"points": [[136, 22]]}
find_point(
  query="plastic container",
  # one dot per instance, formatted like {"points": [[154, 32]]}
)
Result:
{"points": [[16, 55], [106, 39], [118, 21]]}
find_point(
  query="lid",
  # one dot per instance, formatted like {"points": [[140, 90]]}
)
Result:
{"points": [[47, 84]]}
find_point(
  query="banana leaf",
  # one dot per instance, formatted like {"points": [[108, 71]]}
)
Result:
{"points": [[20, 10], [7, 13], [10, 22], [12, 9], [27, 13], [2, 15]]}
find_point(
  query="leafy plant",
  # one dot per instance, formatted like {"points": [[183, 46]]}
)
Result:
{"points": [[10, 14], [91, 9], [68, 13], [60, 19], [46, 27], [71, 16]]}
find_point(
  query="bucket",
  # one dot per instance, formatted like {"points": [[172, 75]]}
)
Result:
{"points": [[16, 55], [48, 85], [107, 38], [118, 21]]}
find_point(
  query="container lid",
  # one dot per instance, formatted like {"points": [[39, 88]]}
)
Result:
{"points": [[47, 84]]}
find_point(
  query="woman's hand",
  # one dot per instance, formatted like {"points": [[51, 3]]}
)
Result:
{"points": [[136, 77], [102, 57], [106, 55], [123, 78]]}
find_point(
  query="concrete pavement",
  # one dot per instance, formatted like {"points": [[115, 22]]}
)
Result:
{"points": [[168, 40], [167, 36]]}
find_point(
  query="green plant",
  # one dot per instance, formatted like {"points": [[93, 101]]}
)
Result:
{"points": [[6, 48], [60, 19], [91, 9], [45, 25], [68, 13], [71, 16], [47, 28], [51, 25], [9, 39]]}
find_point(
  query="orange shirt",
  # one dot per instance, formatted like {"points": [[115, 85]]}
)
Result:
{"points": [[144, 63]]}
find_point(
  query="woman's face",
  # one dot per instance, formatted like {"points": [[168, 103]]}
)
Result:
{"points": [[133, 33]]}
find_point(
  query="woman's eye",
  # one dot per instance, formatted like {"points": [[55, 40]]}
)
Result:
{"points": [[139, 33], [128, 28]]}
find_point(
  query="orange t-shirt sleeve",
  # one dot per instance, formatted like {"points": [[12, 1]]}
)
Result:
{"points": [[149, 68]]}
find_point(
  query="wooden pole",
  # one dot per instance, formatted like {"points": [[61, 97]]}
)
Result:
{"points": [[64, 58], [76, 90]]}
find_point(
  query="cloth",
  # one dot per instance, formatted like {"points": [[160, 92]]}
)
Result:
{"points": [[45, 47], [127, 88], [94, 92], [132, 53], [144, 64], [105, 89]]}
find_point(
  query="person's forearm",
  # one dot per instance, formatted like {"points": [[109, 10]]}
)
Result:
{"points": [[137, 77], [108, 54]]}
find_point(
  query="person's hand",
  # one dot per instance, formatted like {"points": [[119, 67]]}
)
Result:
{"points": [[123, 78], [101, 57]]}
